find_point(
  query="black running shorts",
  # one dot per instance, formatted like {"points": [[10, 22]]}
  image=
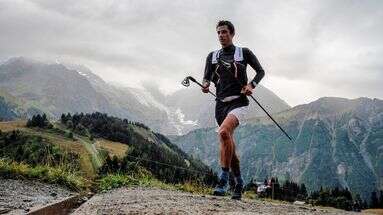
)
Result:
{"points": [[223, 108]]}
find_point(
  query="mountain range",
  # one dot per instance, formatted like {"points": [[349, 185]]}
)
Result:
{"points": [[336, 142], [56, 88]]}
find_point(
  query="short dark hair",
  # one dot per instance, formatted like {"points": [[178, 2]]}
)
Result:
{"points": [[229, 25]]}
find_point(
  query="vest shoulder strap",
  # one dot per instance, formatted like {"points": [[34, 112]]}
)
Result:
{"points": [[238, 55], [214, 59]]}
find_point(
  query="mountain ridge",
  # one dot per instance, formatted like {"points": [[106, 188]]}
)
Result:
{"points": [[341, 147]]}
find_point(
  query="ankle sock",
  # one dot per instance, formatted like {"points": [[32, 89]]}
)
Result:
{"points": [[224, 174]]}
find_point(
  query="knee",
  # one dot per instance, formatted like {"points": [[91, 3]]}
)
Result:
{"points": [[224, 133]]}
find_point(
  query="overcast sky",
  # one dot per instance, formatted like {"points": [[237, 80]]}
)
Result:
{"points": [[309, 49]]}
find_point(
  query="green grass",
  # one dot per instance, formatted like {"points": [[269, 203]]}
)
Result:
{"points": [[54, 175], [145, 179], [95, 157]]}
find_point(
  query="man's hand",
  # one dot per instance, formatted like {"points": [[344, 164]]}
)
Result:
{"points": [[205, 87], [247, 89]]}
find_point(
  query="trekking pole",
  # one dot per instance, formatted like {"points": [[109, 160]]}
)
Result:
{"points": [[186, 83], [271, 118]]}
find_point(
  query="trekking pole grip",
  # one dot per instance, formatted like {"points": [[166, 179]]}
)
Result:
{"points": [[195, 81]]}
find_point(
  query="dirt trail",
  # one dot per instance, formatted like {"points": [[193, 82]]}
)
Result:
{"points": [[19, 196], [158, 201]]}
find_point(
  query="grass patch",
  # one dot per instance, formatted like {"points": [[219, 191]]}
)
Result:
{"points": [[193, 187], [250, 195], [114, 148], [54, 175], [12, 125], [112, 181], [145, 179], [373, 211], [78, 146]]}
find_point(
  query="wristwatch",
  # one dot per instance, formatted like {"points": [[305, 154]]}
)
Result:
{"points": [[205, 81], [253, 84]]}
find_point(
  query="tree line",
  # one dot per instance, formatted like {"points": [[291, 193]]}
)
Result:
{"points": [[40, 121], [336, 197]]}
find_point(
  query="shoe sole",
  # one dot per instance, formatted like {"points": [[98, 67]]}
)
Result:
{"points": [[218, 194]]}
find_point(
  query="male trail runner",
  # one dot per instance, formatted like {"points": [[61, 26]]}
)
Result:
{"points": [[226, 68]]}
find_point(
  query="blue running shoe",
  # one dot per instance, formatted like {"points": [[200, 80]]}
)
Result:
{"points": [[220, 189], [237, 194]]}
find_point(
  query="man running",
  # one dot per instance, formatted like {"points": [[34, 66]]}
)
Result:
{"points": [[226, 68]]}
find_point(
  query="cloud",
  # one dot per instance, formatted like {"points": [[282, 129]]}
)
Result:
{"points": [[334, 47]]}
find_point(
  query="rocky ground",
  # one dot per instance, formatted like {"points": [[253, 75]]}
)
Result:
{"points": [[157, 201], [19, 196]]}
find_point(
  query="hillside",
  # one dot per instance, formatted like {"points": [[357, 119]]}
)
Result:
{"points": [[7, 110], [336, 142], [75, 150], [12, 108], [52, 88], [94, 142]]}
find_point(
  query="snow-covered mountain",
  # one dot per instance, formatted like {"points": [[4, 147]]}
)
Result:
{"points": [[57, 88]]}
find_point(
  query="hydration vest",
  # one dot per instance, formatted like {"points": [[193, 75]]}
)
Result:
{"points": [[238, 55], [238, 71]]}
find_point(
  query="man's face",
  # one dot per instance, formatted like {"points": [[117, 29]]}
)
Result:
{"points": [[224, 36]]}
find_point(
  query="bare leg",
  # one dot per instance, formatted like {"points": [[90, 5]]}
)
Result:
{"points": [[235, 167], [225, 133], [229, 158]]}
